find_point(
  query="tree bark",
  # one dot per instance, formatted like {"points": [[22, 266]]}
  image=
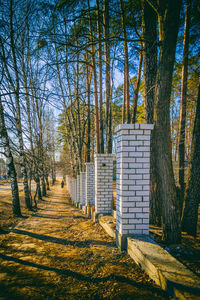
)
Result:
{"points": [[18, 113], [10, 164], [182, 118], [108, 112], [96, 104], [126, 97], [149, 28], [190, 216], [99, 31], [168, 18], [136, 90]]}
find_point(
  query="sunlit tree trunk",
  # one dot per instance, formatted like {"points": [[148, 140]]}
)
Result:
{"points": [[10, 164], [99, 31], [182, 118], [136, 89], [96, 104], [126, 96], [149, 24], [18, 113], [108, 111], [190, 216], [168, 19]]}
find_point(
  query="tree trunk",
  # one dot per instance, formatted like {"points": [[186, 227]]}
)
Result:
{"points": [[149, 28], [96, 105], [182, 118], [136, 90], [18, 113], [88, 83], [108, 112], [190, 216], [10, 164], [100, 79], [126, 69], [168, 31]]}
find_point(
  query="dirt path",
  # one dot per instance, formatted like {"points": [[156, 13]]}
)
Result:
{"points": [[58, 253]]}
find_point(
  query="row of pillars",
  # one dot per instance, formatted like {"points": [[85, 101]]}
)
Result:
{"points": [[94, 187]]}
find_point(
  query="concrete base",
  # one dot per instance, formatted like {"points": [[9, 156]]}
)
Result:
{"points": [[108, 224], [121, 240], [84, 209], [164, 269]]}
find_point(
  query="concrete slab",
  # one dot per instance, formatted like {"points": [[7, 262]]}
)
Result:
{"points": [[109, 225], [171, 275]]}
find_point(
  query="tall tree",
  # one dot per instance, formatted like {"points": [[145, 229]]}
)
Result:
{"points": [[108, 112], [126, 97], [190, 216], [182, 118], [99, 32], [168, 20], [10, 163], [149, 28]]}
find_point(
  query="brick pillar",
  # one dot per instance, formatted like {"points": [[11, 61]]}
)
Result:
{"points": [[78, 189], [89, 184], [82, 187], [75, 189], [103, 183], [133, 181]]}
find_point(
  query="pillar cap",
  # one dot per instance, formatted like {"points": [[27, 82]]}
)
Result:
{"points": [[134, 126]]}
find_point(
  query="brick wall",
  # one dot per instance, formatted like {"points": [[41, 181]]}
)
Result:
{"points": [[78, 189], [89, 184], [103, 183], [82, 187], [133, 178]]}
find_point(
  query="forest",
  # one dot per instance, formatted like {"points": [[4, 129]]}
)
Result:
{"points": [[72, 70]]}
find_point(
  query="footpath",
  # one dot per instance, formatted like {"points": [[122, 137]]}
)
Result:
{"points": [[58, 253]]}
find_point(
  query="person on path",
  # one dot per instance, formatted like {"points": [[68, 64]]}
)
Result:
{"points": [[62, 183]]}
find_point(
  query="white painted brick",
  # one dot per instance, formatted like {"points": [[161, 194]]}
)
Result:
{"points": [[135, 165], [145, 209], [135, 132], [136, 231], [135, 188], [142, 215], [135, 176], [135, 209], [143, 160], [141, 204], [135, 154], [136, 143], [143, 137], [143, 149], [143, 226], [136, 221], [142, 193], [147, 126], [142, 182], [142, 171], [147, 132]]}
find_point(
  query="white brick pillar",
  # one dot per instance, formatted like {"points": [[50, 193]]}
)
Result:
{"points": [[82, 187], [89, 184], [75, 189], [133, 181], [78, 189], [103, 183]]}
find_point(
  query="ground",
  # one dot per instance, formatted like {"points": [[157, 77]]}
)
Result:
{"points": [[58, 253]]}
